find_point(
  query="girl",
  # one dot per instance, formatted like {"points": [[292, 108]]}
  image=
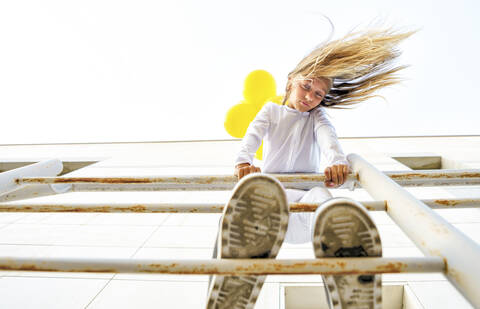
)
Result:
{"points": [[334, 75]]}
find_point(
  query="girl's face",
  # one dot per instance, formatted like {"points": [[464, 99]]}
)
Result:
{"points": [[306, 94]]}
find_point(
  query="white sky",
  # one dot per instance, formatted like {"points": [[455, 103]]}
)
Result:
{"points": [[99, 71]]}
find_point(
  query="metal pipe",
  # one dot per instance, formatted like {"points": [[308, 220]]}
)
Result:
{"points": [[31, 191], [426, 178], [429, 231], [9, 179], [202, 207], [223, 182], [229, 266]]}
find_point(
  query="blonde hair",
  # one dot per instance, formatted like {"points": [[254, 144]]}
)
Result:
{"points": [[356, 65]]}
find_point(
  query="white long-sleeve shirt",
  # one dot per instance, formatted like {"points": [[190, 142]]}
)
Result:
{"points": [[292, 140]]}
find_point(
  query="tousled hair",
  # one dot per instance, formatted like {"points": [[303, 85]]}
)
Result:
{"points": [[356, 65]]}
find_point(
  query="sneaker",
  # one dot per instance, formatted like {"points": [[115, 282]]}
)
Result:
{"points": [[253, 225], [343, 228]]}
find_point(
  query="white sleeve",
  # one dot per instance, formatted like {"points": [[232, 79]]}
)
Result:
{"points": [[254, 135], [327, 140]]}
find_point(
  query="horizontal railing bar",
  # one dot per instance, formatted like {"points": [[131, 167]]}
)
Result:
{"points": [[217, 179], [203, 207], [327, 266], [226, 182]]}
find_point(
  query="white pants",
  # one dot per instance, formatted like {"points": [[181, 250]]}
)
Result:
{"points": [[299, 229]]}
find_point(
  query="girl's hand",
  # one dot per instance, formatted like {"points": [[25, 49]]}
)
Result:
{"points": [[244, 169], [336, 175]]}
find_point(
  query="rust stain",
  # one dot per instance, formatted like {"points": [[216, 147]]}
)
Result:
{"points": [[436, 175], [342, 264], [210, 180], [469, 175], [161, 266], [260, 269], [13, 209], [297, 265], [369, 207], [277, 268], [110, 180], [93, 270], [128, 180], [193, 272], [27, 267], [254, 268], [303, 207], [308, 178], [249, 268], [392, 267], [456, 276], [137, 208], [410, 175], [33, 267], [357, 176], [63, 208], [98, 270], [95, 209], [447, 202]]}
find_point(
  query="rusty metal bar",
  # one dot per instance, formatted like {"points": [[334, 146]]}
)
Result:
{"points": [[428, 178], [223, 182], [204, 207], [429, 231], [229, 266]]}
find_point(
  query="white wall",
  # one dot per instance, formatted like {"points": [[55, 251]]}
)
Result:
{"points": [[89, 71]]}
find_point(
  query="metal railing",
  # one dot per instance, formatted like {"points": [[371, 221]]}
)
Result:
{"points": [[333, 266], [221, 182], [447, 250], [206, 207]]}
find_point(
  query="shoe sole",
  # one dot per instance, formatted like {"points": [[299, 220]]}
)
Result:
{"points": [[253, 225], [343, 228]]}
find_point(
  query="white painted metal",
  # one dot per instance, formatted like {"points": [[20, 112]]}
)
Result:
{"points": [[223, 182], [430, 232], [31, 191], [229, 266], [200, 207]]}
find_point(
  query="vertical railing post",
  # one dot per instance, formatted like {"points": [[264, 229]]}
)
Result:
{"points": [[429, 231]]}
